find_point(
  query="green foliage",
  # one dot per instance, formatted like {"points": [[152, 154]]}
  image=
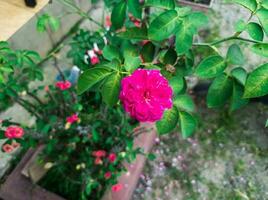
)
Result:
{"points": [[211, 67], [260, 49], [91, 77], [235, 55], [168, 122], [257, 82], [45, 21], [249, 4], [220, 91], [164, 4], [163, 26], [119, 14], [255, 31], [187, 123]]}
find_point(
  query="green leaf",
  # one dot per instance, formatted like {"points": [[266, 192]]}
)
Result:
{"points": [[111, 52], [165, 4], [220, 91], [54, 23], [260, 49], [235, 55], [187, 123], [211, 67], [262, 14], [255, 31], [147, 52], [266, 124], [240, 74], [257, 82], [111, 88], [249, 4], [134, 33], [184, 102], [90, 77], [264, 4], [163, 26], [132, 58], [237, 100], [240, 25], [170, 57], [119, 15], [168, 122], [177, 84], [134, 7], [184, 39]]}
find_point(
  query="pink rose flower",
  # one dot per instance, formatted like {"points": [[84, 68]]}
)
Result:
{"points": [[72, 119], [145, 95], [107, 175], [63, 85], [117, 187], [112, 157], [94, 60], [7, 148], [14, 132], [99, 153]]}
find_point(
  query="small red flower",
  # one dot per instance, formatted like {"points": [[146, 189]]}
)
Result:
{"points": [[72, 119], [94, 60], [14, 132], [112, 157], [117, 187], [7, 148], [108, 175], [98, 161], [99, 153], [15, 145], [63, 85], [137, 23], [108, 22], [46, 88]]}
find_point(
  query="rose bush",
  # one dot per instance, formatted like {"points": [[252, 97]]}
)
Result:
{"points": [[139, 59]]}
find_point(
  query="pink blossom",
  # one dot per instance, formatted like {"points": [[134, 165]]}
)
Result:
{"points": [[14, 132], [108, 175], [7, 148], [98, 161], [72, 119], [63, 85], [117, 187], [145, 95], [112, 157], [137, 23], [108, 22], [15, 145], [99, 153], [94, 60]]}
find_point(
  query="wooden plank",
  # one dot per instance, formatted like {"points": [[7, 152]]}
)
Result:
{"points": [[19, 187], [14, 14]]}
